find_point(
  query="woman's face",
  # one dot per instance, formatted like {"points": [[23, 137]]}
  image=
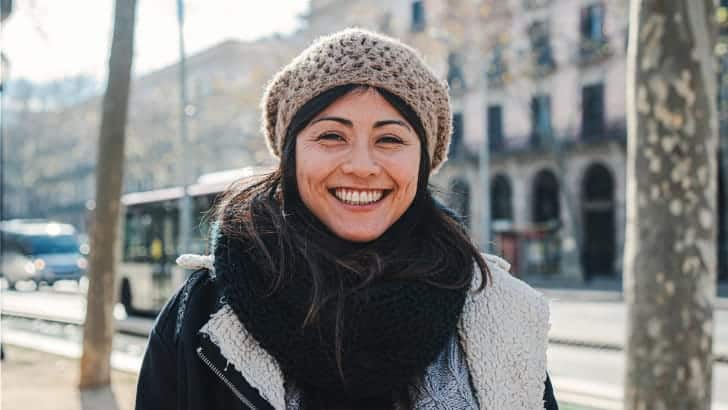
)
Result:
{"points": [[356, 165]]}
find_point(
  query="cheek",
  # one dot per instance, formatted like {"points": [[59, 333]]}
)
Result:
{"points": [[405, 172], [304, 173], [312, 167]]}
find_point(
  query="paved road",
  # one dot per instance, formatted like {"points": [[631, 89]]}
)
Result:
{"points": [[605, 323]]}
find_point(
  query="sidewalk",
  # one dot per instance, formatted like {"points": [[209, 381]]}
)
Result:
{"points": [[35, 380], [606, 295]]}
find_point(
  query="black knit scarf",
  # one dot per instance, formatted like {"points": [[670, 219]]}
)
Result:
{"points": [[391, 329]]}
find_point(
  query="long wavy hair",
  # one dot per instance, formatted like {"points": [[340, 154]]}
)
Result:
{"points": [[427, 243]]}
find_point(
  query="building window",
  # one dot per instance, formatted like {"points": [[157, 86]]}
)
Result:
{"points": [[593, 41], [540, 120], [543, 59], [722, 223], [497, 69], [598, 225], [592, 111], [418, 16], [592, 23], [495, 127], [501, 208], [455, 77], [545, 201], [456, 144]]}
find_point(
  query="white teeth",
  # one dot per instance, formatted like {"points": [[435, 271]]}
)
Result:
{"points": [[358, 197]]}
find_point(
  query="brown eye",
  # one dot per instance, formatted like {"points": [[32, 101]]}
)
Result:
{"points": [[389, 139]]}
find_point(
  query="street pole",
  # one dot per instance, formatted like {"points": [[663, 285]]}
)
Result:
{"points": [[185, 204], [484, 165]]}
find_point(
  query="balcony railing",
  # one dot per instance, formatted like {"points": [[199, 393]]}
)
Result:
{"points": [[498, 74], [593, 51], [616, 131], [542, 62], [540, 140], [535, 142]]}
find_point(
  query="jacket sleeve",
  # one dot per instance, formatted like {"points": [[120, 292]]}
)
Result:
{"points": [[157, 387], [549, 400]]}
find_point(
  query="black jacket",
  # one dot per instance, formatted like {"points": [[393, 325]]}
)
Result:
{"points": [[184, 370]]}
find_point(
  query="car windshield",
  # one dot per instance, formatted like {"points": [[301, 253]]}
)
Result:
{"points": [[45, 244]]}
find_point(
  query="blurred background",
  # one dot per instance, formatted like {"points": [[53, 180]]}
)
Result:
{"points": [[537, 161]]}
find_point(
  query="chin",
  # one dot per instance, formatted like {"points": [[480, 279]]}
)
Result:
{"points": [[359, 236]]}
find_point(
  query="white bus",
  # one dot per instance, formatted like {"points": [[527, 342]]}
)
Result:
{"points": [[148, 274]]}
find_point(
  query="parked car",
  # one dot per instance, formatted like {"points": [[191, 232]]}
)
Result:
{"points": [[41, 251]]}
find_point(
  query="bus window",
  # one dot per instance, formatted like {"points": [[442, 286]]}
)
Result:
{"points": [[150, 232]]}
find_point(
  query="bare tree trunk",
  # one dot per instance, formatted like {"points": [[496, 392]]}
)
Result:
{"points": [[670, 249], [99, 326]]}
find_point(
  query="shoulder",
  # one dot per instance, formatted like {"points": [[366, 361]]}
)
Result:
{"points": [[194, 300], [510, 286], [504, 334], [508, 296]]}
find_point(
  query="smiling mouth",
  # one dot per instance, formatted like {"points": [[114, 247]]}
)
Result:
{"points": [[359, 197]]}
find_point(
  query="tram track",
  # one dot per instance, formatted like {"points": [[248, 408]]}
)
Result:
{"points": [[64, 336], [130, 326]]}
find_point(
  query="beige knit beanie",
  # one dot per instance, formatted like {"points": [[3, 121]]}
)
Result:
{"points": [[355, 56]]}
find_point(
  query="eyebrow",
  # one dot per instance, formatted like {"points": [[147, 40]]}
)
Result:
{"points": [[344, 121], [350, 124], [389, 122]]}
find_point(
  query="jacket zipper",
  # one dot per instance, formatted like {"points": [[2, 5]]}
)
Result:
{"points": [[222, 377]]}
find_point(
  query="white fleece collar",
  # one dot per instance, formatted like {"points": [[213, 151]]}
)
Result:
{"points": [[503, 332], [256, 365]]}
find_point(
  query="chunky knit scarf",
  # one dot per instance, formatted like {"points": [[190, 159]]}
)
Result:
{"points": [[391, 330]]}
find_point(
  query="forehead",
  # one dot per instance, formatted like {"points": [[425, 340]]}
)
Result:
{"points": [[361, 103]]}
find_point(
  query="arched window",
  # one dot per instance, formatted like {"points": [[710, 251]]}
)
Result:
{"points": [[545, 198], [722, 225]]}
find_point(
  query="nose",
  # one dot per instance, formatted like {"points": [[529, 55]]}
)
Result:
{"points": [[361, 163]]}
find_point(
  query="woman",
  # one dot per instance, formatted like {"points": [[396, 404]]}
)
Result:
{"points": [[338, 281]]}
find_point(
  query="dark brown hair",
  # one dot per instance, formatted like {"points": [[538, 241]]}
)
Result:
{"points": [[427, 243]]}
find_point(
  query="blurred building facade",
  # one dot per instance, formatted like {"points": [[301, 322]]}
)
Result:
{"points": [[542, 81], [51, 172]]}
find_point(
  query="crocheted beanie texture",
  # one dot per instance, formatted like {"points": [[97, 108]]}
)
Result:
{"points": [[355, 56]]}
